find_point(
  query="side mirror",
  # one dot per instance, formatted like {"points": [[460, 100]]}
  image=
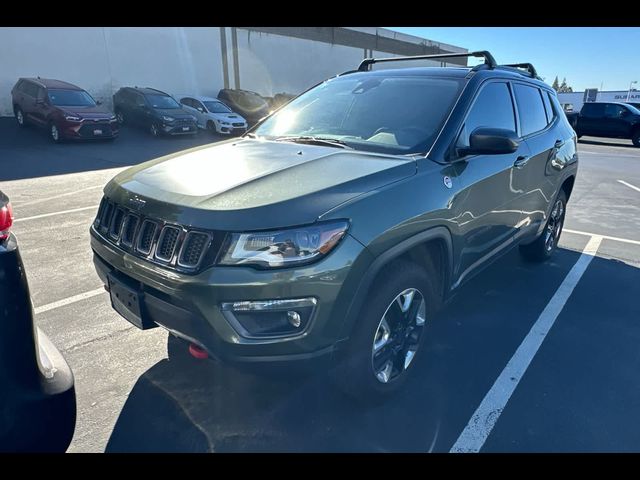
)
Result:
{"points": [[200, 109], [98, 102], [491, 141], [40, 101]]}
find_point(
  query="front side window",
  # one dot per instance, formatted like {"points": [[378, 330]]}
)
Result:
{"points": [[533, 117], [162, 102], [70, 98], [492, 108], [387, 114], [611, 110]]}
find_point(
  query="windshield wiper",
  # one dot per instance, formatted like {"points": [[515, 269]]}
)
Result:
{"points": [[332, 142]]}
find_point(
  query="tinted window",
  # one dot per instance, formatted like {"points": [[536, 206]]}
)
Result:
{"points": [[138, 99], [611, 110], [493, 108], [394, 114], [217, 107], [30, 89], [530, 109], [40, 93], [593, 110], [70, 98], [548, 107], [162, 102], [196, 104]]}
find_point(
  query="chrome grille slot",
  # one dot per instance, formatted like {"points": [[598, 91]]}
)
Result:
{"points": [[129, 230], [116, 224], [167, 243], [193, 248], [145, 237], [103, 203]]}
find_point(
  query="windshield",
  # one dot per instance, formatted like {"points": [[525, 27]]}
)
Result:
{"points": [[217, 107], [163, 102], [398, 114], [70, 98]]}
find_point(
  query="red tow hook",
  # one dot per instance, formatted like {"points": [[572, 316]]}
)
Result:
{"points": [[198, 352]]}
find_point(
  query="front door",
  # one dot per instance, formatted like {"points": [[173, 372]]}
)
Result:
{"points": [[492, 193]]}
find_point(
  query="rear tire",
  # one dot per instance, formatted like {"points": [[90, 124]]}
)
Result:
{"points": [[635, 138], [544, 246], [154, 130], [385, 343]]}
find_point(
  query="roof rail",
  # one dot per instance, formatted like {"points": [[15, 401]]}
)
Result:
{"points": [[156, 90], [488, 59], [528, 66]]}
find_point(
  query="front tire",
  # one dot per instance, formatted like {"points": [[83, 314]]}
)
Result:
{"points": [[211, 128], [120, 116], [386, 341], [154, 130], [20, 117], [54, 133], [544, 246]]}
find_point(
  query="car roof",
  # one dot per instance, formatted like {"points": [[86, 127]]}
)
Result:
{"points": [[456, 72], [200, 98], [52, 83], [608, 103]]}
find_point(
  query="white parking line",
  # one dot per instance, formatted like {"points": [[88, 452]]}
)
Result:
{"points": [[607, 237], [62, 212], [40, 200], [629, 185], [68, 300], [486, 415]]}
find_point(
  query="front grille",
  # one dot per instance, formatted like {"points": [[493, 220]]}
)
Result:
{"points": [[167, 243], [240, 124], [173, 246], [193, 249], [145, 237]]}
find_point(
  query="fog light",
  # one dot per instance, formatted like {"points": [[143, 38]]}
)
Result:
{"points": [[270, 318], [294, 318]]}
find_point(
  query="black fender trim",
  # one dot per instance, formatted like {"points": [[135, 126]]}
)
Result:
{"points": [[435, 233]]}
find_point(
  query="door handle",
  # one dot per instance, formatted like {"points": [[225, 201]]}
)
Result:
{"points": [[521, 161], [558, 144]]}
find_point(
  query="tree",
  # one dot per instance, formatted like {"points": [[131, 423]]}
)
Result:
{"points": [[564, 88], [556, 84]]}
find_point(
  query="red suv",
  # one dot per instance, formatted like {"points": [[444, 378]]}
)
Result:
{"points": [[66, 111]]}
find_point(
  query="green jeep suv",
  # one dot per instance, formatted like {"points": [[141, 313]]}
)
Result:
{"points": [[333, 230]]}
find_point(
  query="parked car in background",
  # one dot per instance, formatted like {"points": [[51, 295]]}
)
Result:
{"points": [[154, 110], [65, 110], [37, 394], [608, 120], [213, 115], [249, 104], [279, 99], [330, 234]]}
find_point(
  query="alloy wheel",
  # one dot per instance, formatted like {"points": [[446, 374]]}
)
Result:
{"points": [[20, 117], [55, 135], [554, 226], [398, 335], [154, 130]]}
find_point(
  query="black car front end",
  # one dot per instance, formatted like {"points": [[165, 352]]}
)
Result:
{"points": [[174, 125]]}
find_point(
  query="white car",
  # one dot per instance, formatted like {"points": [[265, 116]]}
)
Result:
{"points": [[213, 115]]}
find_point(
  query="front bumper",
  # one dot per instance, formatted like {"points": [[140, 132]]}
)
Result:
{"points": [[190, 305], [231, 130], [88, 130], [179, 129]]}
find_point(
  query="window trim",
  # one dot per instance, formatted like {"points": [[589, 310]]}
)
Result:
{"points": [[540, 90]]}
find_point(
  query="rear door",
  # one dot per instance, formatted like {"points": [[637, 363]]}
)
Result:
{"points": [[492, 199], [41, 108], [139, 110], [539, 129], [29, 92]]}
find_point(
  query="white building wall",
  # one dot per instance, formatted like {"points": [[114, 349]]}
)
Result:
{"points": [[576, 98], [174, 59]]}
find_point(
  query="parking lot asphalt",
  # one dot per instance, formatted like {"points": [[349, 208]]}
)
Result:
{"points": [[578, 393]]}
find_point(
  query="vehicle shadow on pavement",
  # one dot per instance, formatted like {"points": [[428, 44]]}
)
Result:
{"points": [[28, 152], [604, 143], [187, 405]]}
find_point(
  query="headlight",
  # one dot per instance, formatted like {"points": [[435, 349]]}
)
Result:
{"points": [[112, 118], [283, 248], [73, 118], [168, 119], [225, 123]]}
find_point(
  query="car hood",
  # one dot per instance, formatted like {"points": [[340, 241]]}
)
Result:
{"points": [[230, 117], [253, 184], [174, 112]]}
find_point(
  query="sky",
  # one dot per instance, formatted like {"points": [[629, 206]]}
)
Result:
{"points": [[589, 57]]}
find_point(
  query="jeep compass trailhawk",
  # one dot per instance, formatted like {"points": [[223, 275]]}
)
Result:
{"points": [[336, 227]]}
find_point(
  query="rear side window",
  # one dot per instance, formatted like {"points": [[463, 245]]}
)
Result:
{"points": [[593, 110], [547, 106], [530, 109], [493, 108], [30, 89], [188, 102]]}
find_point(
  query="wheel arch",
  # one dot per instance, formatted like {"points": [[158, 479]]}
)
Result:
{"points": [[430, 248], [567, 185]]}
